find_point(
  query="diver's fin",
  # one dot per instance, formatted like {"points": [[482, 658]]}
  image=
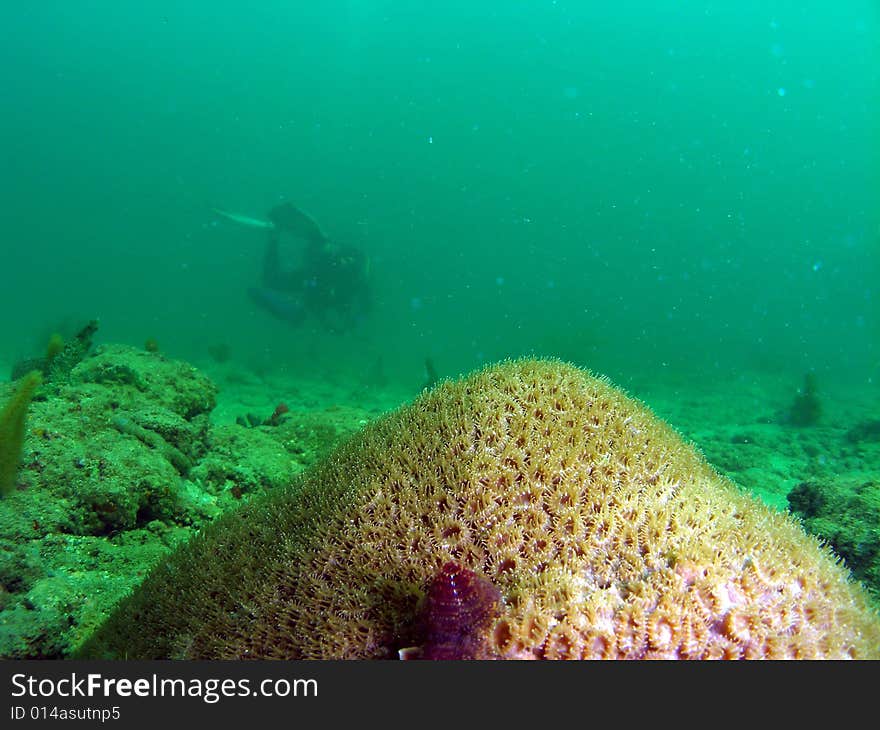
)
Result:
{"points": [[244, 220]]}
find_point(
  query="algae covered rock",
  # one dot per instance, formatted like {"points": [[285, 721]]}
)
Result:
{"points": [[110, 477], [530, 510], [267, 466], [172, 385], [114, 478], [846, 514]]}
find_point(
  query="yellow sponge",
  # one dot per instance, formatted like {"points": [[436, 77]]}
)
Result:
{"points": [[12, 422], [544, 515]]}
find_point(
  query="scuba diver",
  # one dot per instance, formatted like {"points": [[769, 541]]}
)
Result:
{"points": [[330, 284]]}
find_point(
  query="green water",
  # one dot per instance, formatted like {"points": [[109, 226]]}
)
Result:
{"points": [[657, 186]]}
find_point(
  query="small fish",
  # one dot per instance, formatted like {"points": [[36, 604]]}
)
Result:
{"points": [[244, 220]]}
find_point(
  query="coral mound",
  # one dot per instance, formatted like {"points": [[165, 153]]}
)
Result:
{"points": [[605, 535]]}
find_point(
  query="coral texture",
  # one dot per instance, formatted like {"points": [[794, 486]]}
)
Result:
{"points": [[606, 535]]}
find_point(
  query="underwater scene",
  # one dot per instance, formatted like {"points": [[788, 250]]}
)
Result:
{"points": [[388, 329]]}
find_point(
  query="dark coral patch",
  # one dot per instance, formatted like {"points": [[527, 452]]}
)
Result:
{"points": [[458, 610]]}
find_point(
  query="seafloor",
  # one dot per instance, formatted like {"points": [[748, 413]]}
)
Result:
{"points": [[134, 451]]}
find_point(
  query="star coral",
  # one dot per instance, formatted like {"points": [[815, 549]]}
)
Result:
{"points": [[605, 535]]}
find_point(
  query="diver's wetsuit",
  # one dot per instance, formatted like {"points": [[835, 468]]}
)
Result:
{"points": [[330, 285]]}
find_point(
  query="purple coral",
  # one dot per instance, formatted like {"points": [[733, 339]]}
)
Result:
{"points": [[458, 610]]}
